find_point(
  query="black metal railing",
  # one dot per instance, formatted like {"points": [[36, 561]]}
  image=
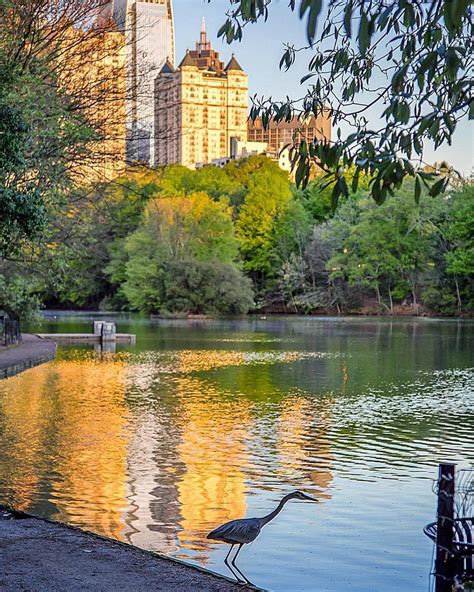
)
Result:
{"points": [[453, 531], [10, 333]]}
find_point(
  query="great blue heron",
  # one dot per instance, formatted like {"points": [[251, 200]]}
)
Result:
{"points": [[243, 531]]}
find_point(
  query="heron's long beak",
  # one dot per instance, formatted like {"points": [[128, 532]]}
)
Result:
{"points": [[311, 499]]}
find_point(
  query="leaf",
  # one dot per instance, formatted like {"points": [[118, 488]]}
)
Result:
{"points": [[336, 192], [417, 145], [448, 21], [364, 39], [305, 4], [420, 78], [223, 30], [417, 189], [434, 128], [307, 77], [409, 16], [355, 181], [314, 12], [458, 8], [347, 19], [344, 189], [376, 190], [436, 188], [383, 18], [425, 123], [398, 79], [302, 172]]}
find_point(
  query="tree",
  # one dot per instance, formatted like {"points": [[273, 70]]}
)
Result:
{"points": [[459, 232], [56, 80], [204, 287], [71, 262], [390, 249], [182, 258], [266, 198], [214, 181], [18, 298], [406, 64]]}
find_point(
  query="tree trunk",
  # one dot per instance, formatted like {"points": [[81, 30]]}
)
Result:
{"points": [[377, 291], [458, 294], [391, 299], [415, 301]]}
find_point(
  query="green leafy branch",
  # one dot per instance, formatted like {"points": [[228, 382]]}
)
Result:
{"points": [[405, 63]]}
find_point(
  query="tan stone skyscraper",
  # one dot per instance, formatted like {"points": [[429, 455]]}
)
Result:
{"points": [[148, 26], [199, 107]]}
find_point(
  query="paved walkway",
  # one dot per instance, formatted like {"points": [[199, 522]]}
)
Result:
{"points": [[31, 351], [41, 556]]}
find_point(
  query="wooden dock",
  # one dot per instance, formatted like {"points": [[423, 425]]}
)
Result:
{"points": [[104, 332], [70, 338]]}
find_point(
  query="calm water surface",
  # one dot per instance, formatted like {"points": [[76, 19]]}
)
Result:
{"points": [[206, 421]]}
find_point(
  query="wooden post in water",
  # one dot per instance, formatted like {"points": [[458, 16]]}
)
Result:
{"points": [[445, 565]]}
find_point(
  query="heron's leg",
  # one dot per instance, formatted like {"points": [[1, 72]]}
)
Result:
{"points": [[235, 556], [227, 556], [229, 565], [237, 569]]}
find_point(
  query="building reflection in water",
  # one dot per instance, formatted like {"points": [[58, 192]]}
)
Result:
{"points": [[304, 446], [153, 468], [155, 451], [213, 450]]}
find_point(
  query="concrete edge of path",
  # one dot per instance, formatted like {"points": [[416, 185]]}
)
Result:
{"points": [[37, 552], [31, 351]]}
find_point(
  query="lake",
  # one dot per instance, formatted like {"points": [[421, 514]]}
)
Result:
{"points": [[207, 421]]}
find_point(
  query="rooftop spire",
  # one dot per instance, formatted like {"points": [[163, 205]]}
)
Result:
{"points": [[203, 43]]}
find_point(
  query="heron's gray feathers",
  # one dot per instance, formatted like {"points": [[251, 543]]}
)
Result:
{"points": [[237, 531]]}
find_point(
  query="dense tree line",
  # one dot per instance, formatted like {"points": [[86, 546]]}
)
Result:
{"points": [[224, 241], [242, 237]]}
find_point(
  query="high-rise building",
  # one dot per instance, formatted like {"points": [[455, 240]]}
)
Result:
{"points": [[149, 30], [289, 133], [93, 73], [199, 107]]}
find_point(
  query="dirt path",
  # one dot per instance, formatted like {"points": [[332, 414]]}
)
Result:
{"points": [[31, 351], [38, 555]]}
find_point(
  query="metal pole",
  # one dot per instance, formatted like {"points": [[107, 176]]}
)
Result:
{"points": [[445, 563]]}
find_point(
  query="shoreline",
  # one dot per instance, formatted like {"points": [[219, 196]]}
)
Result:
{"points": [[270, 311], [39, 554], [31, 351]]}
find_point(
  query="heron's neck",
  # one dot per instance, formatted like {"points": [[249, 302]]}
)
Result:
{"points": [[266, 519]]}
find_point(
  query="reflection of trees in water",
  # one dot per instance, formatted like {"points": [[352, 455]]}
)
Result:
{"points": [[189, 457], [23, 430], [67, 451], [160, 447]]}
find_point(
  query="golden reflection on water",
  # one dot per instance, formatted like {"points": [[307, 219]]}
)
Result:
{"points": [[66, 424], [118, 445], [212, 488], [192, 360], [298, 448]]}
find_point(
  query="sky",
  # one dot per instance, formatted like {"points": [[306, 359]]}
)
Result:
{"points": [[259, 55]]}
